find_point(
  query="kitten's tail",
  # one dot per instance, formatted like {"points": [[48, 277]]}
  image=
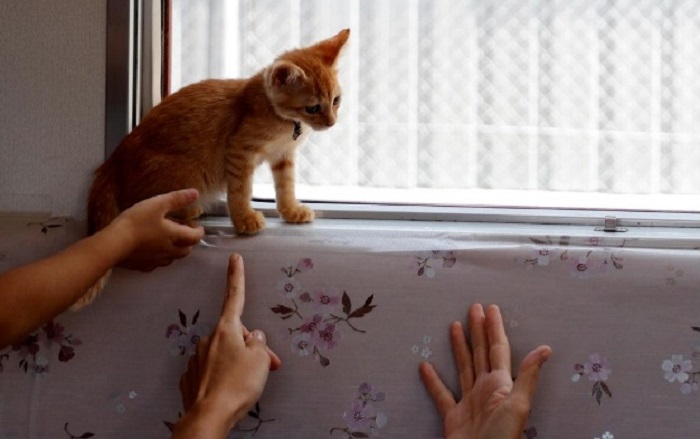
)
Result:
{"points": [[102, 210]]}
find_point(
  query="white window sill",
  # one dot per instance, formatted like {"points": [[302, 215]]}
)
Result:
{"points": [[358, 232]]}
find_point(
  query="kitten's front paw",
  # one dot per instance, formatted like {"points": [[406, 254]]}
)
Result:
{"points": [[297, 214], [249, 223]]}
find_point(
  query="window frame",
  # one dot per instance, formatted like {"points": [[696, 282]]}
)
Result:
{"points": [[137, 61]]}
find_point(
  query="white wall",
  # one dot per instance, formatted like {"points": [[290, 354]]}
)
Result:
{"points": [[52, 103]]}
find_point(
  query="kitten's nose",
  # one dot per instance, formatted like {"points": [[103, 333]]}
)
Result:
{"points": [[330, 120]]}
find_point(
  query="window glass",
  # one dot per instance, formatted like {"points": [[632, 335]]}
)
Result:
{"points": [[552, 103]]}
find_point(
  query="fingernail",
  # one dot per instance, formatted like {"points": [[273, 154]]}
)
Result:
{"points": [[544, 356], [258, 334], [232, 262]]}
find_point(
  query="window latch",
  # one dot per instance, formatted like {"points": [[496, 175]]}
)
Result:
{"points": [[610, 225]]}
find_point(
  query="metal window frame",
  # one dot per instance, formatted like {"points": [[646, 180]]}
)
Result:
{"points": [[119, 81], [137, 73]]}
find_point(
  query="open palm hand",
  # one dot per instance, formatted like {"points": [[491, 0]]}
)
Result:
{"points": [[492, 405]]}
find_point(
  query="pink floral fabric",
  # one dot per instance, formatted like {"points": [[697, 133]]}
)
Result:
{"points": [[352, 311]]}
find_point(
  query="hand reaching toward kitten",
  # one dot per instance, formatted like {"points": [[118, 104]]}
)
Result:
{"points": [[140, 237], [153, 240], [492, 405]]}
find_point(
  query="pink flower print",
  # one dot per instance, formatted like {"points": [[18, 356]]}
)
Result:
{"points": [[185, 337], [530, 432], [326, 337], [66, 353], [289, 287], [195, 333], [448, 257], [40, 367], [381, 420], [311, 325], [173, 331], [360, 416], [676, 369], [421, 266], [52, 333], [366, 393], [687, 388], [325, 302], [187, 340], [306, 297], [304, 265], [415, 263], [580, 267], [541, 256], [597, 368], [27, 347], [449, 262], [301, 344], [362, 419]]}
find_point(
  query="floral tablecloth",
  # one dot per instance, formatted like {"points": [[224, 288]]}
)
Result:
{"points": [[352, 308]]}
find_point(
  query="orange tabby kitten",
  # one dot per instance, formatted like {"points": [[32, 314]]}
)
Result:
{"points": [[212, 135]]}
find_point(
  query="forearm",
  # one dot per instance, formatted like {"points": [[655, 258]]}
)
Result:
{"points": [[204, 421], [35, 293]]}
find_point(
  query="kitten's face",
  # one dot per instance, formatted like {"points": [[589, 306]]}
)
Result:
{"points": [[321, 108], [303, 84], [315, 102]]}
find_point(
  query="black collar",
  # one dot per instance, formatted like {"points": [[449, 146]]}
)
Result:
{"points": [[297, 130]]}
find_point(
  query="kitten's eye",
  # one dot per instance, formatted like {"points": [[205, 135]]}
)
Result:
{"points": [[313, 109], [336, 101]]}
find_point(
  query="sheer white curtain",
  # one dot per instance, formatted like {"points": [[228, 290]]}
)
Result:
{"points": [[554, 95]]}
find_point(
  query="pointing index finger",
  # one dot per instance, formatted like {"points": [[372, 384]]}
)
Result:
{"points": [[235, 290]]}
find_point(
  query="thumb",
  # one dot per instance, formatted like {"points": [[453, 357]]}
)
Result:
{"points": [[529, 371], [255, 341], [177, 200], [256, 338]]}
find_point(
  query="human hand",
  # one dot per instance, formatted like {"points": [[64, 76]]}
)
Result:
{"points": [[152, 239], [492, 405], [227, 375]]}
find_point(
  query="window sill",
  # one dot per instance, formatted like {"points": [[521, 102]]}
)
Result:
{"points": [[357, 230]]}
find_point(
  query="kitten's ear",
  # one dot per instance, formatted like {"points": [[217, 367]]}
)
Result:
{"points": [[283, 73], [329, 49]]}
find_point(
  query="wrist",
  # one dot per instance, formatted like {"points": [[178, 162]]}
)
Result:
{"points": [[121, 238], [207, 419]]}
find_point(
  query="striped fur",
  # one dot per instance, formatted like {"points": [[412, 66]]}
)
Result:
{"points": [[212, 135]]}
